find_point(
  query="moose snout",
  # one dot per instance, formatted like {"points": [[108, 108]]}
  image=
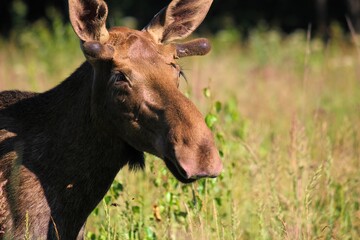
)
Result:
{"points": [[189, 143], [201, 162], [212, 172]]}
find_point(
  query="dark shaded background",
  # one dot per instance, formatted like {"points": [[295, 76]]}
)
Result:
{"points": [[288, 15]]}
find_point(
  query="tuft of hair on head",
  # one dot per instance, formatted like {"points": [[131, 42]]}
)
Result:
{"points": [[136, 161]]}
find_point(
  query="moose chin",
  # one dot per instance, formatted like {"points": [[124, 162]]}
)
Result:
{"points": [[121, 102]]}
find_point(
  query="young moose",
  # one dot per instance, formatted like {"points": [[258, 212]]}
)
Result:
{"points": [[60, 150]]}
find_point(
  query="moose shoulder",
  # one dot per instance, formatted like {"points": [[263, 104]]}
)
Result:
{"points": [[60, 150]]}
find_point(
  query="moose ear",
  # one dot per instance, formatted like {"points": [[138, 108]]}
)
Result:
{"points": [[178, 20], [88, 18]]}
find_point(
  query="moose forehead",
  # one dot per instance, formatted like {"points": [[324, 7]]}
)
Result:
{"points": [[138, 47]]}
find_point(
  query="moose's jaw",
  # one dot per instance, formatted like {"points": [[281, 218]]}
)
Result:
{"points": [[177, 171]]}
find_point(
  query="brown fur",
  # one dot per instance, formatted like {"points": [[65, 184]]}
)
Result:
{"points": [[60, 150]]}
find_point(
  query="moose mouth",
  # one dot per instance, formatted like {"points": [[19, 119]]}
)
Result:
{"points": [[177, 170]]}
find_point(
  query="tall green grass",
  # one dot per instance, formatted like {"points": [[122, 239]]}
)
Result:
{"points": [[285, 111]]}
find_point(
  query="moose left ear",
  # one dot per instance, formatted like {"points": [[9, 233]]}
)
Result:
{"points": [[178, 20], [88, 19]]}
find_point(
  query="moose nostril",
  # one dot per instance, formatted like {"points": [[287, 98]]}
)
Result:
{"points": [[202, 175], [210, 171], [205, 175], [198, 176]]}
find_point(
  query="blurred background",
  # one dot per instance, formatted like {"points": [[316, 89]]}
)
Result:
{"points": [[243, 15]]}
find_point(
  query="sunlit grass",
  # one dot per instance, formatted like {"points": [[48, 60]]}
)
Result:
{"points": [[286, 115]]}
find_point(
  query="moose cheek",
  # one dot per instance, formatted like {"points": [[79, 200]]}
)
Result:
{"points": [[141, 139], [145, 125], [120, 98]]}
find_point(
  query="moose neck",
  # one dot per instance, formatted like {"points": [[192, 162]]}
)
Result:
{"points": [[81, 156], [85, 137]]}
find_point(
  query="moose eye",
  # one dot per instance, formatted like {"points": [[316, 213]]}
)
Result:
{"points": [[119, 79]]}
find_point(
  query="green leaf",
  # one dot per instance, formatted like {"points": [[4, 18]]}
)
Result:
{"points": [[150, 234], [207, 92], [96, 211], [135, 209], [218, 201], [107, 199], [210, 120], [90, 236], [116, 189], [168, 197], [220, 137], [218, 106], [221, 153]]}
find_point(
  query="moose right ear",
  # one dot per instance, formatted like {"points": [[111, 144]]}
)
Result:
{"points": [[88, 18], [178, 20]]}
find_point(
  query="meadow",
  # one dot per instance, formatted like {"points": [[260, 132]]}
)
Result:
{"points": [[285, 110]]}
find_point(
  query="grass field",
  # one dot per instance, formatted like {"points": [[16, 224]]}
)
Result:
{"points": [[285, 111]]}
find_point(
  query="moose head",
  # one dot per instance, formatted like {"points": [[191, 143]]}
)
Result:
{"points": [[135, 85]]}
